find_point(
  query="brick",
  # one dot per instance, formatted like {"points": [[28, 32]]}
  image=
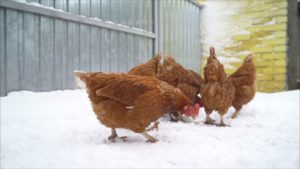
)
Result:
{"points": [[274, 27], [242, 37], [280, 48], [279, 70], [280, 34], [281, 12], [262, 49], [264, 63], [264, 77], [281, 62], [268, 56], [281, 19], [266, 84], [280, 77], [281, 41], [279, 84], [268, 70], [282, 4]]}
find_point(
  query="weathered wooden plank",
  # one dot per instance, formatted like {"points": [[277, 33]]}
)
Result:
{"points": [[85, 8], [12, 61], [73, 52], [31, 52], [2, 53], [85, 48], [59, 48], [105, 10], [21, 49], [64, 55], [73, 6], [122, 53], [61, 4], [49, 3], [47, 55], [113, 59], [105, 50], [96, 9], [130, 51], [95, 49]]}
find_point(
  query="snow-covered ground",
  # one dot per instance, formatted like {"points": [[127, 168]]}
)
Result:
{"points": [[59, 130]]}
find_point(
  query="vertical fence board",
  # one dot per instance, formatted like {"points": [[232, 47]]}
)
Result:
{"points": [[2, 53], [47, 55], [96, 9], [73, 52], [85, 52], [20, 49], [95, 49], [85, 7], [73, 6], [12, 74], [61, 4], [105, 50], [59, 48], [31, 52]]}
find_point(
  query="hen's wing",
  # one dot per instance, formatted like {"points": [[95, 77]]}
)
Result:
{"points": [[245, 75], [126, 90]]}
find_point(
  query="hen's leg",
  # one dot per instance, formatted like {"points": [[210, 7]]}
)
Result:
{"points": [[150, 138], [237, 111], [208, 120], [113, 134], [155, 126]]}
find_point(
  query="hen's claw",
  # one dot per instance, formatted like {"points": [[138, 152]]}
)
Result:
{"points": [[209, 121]]}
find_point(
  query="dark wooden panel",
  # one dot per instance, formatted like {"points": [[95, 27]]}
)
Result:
{"points": [[95, 49], [46, 53], [12, 60], [2, 53], [31, 52], [85, 48]]}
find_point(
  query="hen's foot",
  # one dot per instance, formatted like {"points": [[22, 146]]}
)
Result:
{"points": [[113, 138], [222, 124], [150, 139], [114, 135], [209, 121]]}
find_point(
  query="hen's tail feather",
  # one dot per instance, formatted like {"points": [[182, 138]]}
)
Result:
{"points": [[212, 52], [249, 58], [80, 79]]}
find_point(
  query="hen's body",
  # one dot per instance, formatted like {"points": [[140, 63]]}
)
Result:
{"points": [[244, 82], [129, 101]]}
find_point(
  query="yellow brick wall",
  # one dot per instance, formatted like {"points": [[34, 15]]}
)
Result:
{"points": [[262, 26]]}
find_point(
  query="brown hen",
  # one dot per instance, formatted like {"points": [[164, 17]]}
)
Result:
{"points": [[217, 91], [132, 102]]}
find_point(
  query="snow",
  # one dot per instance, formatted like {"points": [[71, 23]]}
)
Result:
{"points": [[59, 130]]}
